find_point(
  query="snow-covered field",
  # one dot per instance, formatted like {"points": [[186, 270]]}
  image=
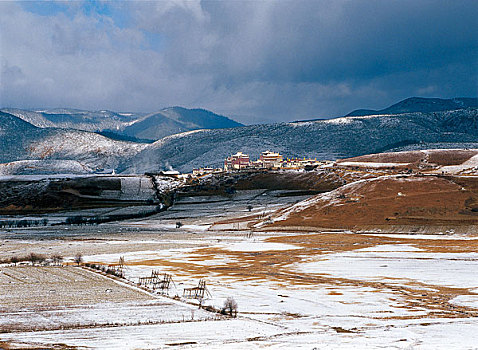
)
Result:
{"points": [[399, 264], [332, 314], [358, 291]]}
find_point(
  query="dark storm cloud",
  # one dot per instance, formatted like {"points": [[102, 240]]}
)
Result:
{"points": [[276, 60]]}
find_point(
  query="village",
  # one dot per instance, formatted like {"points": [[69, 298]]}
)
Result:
{"points": [[268, 160]]}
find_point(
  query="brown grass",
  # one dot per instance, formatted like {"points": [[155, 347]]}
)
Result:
{"points": [[340, 242], [426, 200], [438, 157], [334, 292]]}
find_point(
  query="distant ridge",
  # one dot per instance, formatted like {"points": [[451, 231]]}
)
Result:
{"points": [[175, 120], [137, 127], [420, 104]]}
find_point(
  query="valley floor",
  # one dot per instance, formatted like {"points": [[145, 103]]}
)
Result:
{"points": [[328, 289]]}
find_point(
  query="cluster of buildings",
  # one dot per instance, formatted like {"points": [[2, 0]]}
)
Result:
{"points": [[267, 160]]}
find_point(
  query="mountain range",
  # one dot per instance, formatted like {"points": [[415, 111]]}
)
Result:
{"points": [[126, 126], [42, 141]]}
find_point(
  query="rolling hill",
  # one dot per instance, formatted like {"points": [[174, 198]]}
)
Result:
{"points": [[384, 201]]}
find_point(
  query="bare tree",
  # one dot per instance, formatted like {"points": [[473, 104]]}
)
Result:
{"points": [[230, 307], [78, 258], [249, 207]]}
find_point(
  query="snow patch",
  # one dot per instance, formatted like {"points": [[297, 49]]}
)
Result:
{"points": [[259, 246]]}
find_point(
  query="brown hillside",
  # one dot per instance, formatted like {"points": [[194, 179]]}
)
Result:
{"points": [[388, 200], [439, 157]]}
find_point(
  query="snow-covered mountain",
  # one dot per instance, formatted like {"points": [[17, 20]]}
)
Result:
{"points": [[20, 140], [136, 126], [44, 167], [324, 139], [176, 120], [75, 118]]}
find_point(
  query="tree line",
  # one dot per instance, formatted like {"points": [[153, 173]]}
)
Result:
{"points": [[35, 259], [23, 223]]}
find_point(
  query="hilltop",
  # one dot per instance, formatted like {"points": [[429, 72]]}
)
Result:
{"points": [[420, 104], [176, 120]]}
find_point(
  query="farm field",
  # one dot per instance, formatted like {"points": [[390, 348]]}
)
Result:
{"points": [[331, 289]]}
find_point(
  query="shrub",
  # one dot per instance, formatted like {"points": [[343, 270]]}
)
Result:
{"points": [[35, 258]]}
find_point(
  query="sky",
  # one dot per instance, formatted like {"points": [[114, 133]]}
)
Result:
{"points": [[254, 61]]}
